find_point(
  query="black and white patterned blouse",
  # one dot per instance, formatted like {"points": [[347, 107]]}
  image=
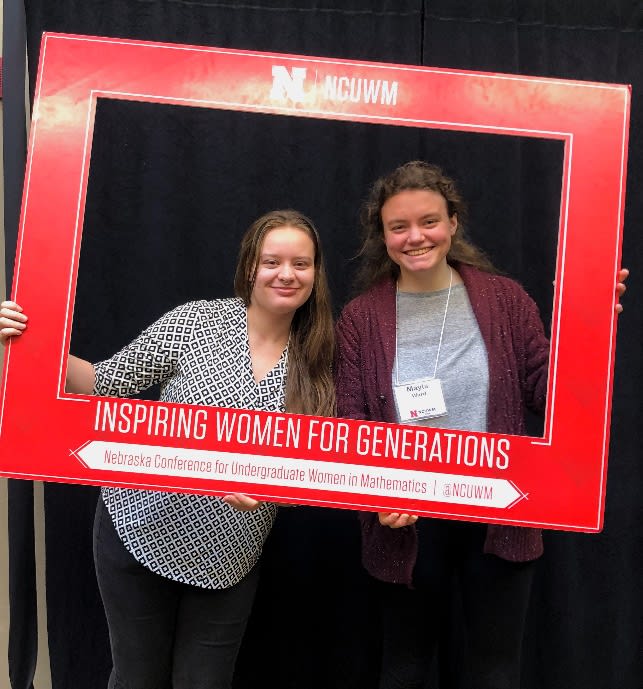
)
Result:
{"points": [[199, 353]]}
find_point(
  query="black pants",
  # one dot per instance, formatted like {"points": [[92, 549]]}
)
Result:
{"points": [[164, 634], [494, 595]]}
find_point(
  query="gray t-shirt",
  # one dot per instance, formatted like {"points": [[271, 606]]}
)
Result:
{"points": [[462, 365]]}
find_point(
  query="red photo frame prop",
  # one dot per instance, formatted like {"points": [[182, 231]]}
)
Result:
{"points": [[557, 481]]}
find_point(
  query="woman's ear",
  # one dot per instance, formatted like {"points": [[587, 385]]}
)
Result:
{"points": [[453, 221]]}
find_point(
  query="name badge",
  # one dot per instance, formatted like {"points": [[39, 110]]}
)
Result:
{"points": [[421, 399]]}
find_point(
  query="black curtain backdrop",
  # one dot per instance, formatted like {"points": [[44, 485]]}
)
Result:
{"points": [[171, 190], [23, 637]]}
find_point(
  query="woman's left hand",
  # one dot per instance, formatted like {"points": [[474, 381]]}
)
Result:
{"points": [[621, 277], [241, 502]]}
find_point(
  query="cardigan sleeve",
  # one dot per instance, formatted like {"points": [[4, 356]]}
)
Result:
{"points": [[387, 554], [534, 352], [351, 396]]}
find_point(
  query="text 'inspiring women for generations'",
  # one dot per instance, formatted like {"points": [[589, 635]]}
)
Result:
{"points": [[311, 435]]}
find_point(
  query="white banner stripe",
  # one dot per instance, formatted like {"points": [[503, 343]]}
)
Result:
{"points": [[299, 473]]}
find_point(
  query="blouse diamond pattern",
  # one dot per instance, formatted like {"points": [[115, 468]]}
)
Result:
{"points": [[199, 354]]}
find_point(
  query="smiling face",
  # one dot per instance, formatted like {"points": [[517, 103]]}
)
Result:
{"points": [[285, 271], [417, 234]]}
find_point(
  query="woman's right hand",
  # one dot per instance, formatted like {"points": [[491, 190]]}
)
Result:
{"points": [[81, 375], [12, 321], [395, 520]]}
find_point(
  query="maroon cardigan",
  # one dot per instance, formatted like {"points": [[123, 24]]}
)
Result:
{"points": [[518, 353]]}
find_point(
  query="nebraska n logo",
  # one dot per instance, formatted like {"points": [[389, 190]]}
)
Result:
{"points": [[287, 84]]}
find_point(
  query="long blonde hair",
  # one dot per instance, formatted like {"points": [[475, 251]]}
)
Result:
{"points": [[309, 385]]}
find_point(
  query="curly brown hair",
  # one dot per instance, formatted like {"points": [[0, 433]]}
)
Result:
{"points": [[375, 263], [309, 386]]}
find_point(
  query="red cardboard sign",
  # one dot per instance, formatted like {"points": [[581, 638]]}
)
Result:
{"points": [[557, 481]]}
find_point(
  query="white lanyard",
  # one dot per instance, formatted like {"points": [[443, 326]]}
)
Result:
{"points": [[444, 320], [420, 399]]}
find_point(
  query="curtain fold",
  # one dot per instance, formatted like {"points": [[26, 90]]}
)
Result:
{"points": [[23, 624]]}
